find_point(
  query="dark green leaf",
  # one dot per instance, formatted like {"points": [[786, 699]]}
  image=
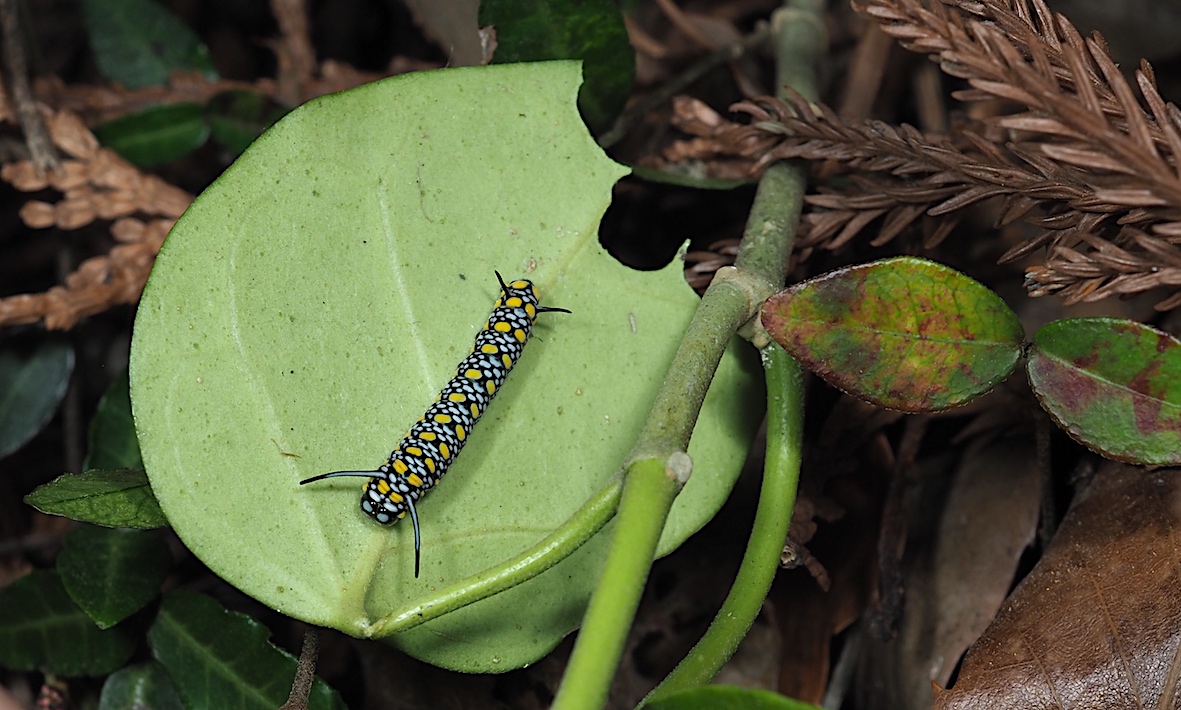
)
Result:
{"points": [[222, 659], [112, 573], [139, 43], [1114, 385], [113, 443], [118, 498], [142, 687], [42, 628], [902, 333], [156, 135], [590, 30], [727, 697], [32, 384], [238, 117]]}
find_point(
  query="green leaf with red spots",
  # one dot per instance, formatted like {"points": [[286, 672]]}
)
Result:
{"points": [[1114, 385], [902, 333]]}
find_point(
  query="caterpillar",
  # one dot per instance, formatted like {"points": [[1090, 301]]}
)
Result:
{"points": [[419, 461]]}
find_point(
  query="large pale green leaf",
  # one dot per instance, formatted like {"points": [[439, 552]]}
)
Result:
{"points": [[312, 302]]}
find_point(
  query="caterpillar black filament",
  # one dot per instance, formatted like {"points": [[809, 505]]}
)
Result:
{"points": [[418, 462]]}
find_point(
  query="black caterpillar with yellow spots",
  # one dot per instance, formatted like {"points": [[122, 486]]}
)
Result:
{"points": [[418, 462]]}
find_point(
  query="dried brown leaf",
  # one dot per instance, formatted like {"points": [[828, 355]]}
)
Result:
{"points": [[1094, 624]]}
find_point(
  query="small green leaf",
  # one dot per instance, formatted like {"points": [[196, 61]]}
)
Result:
{"points": [[120, 498], [42, 628], [590, 30], [113, 443], [32, 384], [222, 659], [236, 118], [1113, 385], [157, 135], [139, 43], [902, 333], [727, 697], [112, 573], [138, 688]]}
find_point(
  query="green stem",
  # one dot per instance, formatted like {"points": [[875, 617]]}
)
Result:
{"points": [[785, 426], [652, 481], [650, 490], [557, 546], [657, 468]]}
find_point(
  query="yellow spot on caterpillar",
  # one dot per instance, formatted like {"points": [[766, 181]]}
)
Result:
{"points": [[502, 327], [445, 451], [518, 284], [530, 311], [490, 386], [400, 467], [414, 480], [457, 397], [513, 302], [397, 498], [443, 418], [460, 432], [508, 362], [428, 436], [519, 335], [383, 486], [472, 375], [475, 412], [430, 463], [489, 349], [414, 451]]}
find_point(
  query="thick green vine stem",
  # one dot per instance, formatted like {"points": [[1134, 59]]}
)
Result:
{"points": [[781, 474], [767, 242], [651, 482], [648, 492]]}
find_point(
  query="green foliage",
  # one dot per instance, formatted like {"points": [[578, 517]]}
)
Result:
{"points": [[120, 498], [112, 441], [727, 697], [139, 687], [33, 380], [590, 30], [41, 628], [139, 43], [222, 659], [112, 574], [156, 135]]}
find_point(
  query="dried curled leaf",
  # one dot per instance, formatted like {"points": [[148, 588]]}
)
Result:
{"points": [[95, 184]]}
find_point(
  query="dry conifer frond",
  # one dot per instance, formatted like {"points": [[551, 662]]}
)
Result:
{"points": [[1085, 161], [95, 184]]}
